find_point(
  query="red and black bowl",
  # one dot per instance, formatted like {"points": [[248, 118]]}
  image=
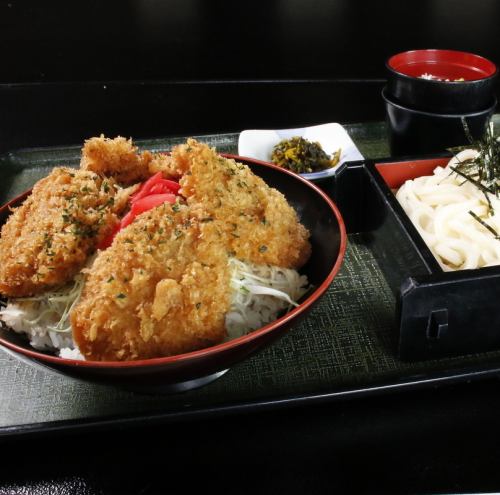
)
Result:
{"points": [[416, 132], [441, 81], [176, 373]]}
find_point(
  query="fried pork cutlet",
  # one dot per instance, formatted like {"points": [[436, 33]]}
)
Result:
{"points": [[120, 159], [258, 223], [162, 288], [48, 239]]}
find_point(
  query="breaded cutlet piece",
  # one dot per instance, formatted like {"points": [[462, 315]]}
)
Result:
{"points": [[163, 163], [258, 223], [119, 158], [162, 288], [48, 239]]}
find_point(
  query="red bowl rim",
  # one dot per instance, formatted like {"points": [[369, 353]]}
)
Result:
{"points": [[473, 61], [224, 346]]}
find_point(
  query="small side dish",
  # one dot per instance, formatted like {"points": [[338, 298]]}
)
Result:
{"points": [[332, 138]]}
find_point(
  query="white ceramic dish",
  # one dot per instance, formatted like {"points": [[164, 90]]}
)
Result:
{"points": [[259, 143]]}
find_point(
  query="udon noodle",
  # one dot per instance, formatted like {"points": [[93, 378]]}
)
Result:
{"points": [[445, 208]]}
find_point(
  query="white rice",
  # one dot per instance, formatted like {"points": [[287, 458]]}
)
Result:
{"points": [[45, 318]]}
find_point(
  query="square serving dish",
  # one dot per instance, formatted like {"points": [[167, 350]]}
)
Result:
{"points": [[437, 313], [259, 144]]}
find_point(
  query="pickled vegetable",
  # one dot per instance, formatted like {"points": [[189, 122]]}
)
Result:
{"points": [[302, 156]]}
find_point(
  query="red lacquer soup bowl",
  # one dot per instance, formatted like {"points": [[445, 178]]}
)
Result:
{"points": [[176, 373], [441, 81]]}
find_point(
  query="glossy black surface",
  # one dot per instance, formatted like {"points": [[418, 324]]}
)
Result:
{"points": [[413, 132], [431, 441], [195, 40], [147, 68], [66, 113], [441, 97]]}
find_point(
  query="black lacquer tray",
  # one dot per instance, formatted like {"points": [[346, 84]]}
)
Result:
{"points": [[437, 313], [346, 348]]}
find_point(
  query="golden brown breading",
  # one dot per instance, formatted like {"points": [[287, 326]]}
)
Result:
{"points": [[162, 288], [116, 158], [165, 164], [48, 239], [258, 223], [120, 159]]}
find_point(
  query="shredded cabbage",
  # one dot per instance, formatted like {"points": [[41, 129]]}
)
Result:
{"points": [[259, 294]]}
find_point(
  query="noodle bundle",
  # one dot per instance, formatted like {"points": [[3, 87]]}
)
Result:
{"points": [[453, 215]]}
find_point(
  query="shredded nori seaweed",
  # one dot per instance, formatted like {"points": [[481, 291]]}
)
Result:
{"points": [[484, 170]]}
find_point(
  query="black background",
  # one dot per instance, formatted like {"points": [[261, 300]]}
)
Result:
{"points": [[147, 68], [69, 70]]}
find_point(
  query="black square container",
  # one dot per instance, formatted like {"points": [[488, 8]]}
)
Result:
{"points": [[438, 313]]}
